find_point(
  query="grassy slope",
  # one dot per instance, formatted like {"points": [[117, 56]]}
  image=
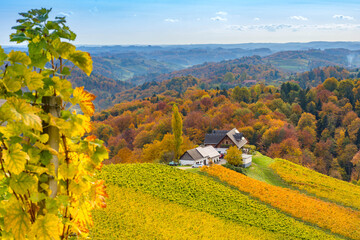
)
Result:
{"points": [[261, 171]]}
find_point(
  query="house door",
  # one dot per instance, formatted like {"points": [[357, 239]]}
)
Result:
{"points": [[205, 162]]}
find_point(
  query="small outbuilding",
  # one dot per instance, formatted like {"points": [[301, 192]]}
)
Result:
{"points": [[200, 155]]}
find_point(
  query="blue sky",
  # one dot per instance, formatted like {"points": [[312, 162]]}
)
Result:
{"points": [[100, 22]]}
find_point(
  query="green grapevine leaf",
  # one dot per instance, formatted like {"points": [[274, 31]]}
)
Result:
{"points": [[64, 49], [22, 183]]}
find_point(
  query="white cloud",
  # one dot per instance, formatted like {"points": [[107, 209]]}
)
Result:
{"points": [[221, 13], [171, 20], [299, 18], [218, 18], [294, 27], [256, 19], [66, 14], [342, 17]]}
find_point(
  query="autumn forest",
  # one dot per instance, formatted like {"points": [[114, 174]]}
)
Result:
{"points": [[318, 127]]}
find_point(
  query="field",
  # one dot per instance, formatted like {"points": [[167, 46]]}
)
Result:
{"points": [[338, 219], [131, 214], [193, 192], [320, 185]]}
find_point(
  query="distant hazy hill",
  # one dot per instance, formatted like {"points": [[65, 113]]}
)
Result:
{"points": [[213, 72], [124, 66], [299, 61]]}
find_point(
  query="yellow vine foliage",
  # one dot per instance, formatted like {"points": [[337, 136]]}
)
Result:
{"points": [[132, 214], [201, 193], [319, 184], [338, 219]]}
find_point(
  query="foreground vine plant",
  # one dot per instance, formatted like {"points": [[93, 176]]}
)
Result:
{"points": [[48, 183]]}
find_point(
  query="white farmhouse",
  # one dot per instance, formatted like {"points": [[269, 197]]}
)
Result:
{"points": [[200, 155]]}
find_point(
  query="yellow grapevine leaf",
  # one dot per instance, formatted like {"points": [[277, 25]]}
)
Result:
{"points": [[11, 84], [23, 111], [17, 221], [22, 183], [63, 86], [15, 158], [82, 60], [85, 100], [46, 227], [79, 187], [34, 81], [67, 171], [19, 57]]}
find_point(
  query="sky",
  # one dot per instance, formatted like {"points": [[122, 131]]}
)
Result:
{"points": [[150, 22]]}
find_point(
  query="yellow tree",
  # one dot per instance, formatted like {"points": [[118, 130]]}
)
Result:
{"points": [[234, 156]]}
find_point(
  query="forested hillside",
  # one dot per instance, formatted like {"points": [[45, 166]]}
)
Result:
{"points": [[317, 127]]}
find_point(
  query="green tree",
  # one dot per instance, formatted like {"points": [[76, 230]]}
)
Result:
{"points": [[234, 156], [331, 84], [241, 94], [176, 123], [229, 77], [47, 169]]}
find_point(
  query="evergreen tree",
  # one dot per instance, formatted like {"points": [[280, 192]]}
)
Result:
{"points": [[177, 130]]}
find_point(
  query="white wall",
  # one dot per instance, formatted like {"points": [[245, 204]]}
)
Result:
{"points": [[187, 162], [247, 158], [191, 162], [222, 150]]}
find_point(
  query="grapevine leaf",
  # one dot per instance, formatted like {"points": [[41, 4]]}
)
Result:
{"points": [[19, 57], [37, 169], [12, 85], [15, 158], [22, 183], [79, 187], [11, 129], [84, 98], [100, 154], [3, 56], [37, 197], [46, 227], [82, 60], [63, 86], [34, 81], [17, 221], [18, 37], [37, 53], [67, 171], [64, 49], [23, 111]]}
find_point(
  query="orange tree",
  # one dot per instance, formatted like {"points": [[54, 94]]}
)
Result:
{"points": [[48, 183]]}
